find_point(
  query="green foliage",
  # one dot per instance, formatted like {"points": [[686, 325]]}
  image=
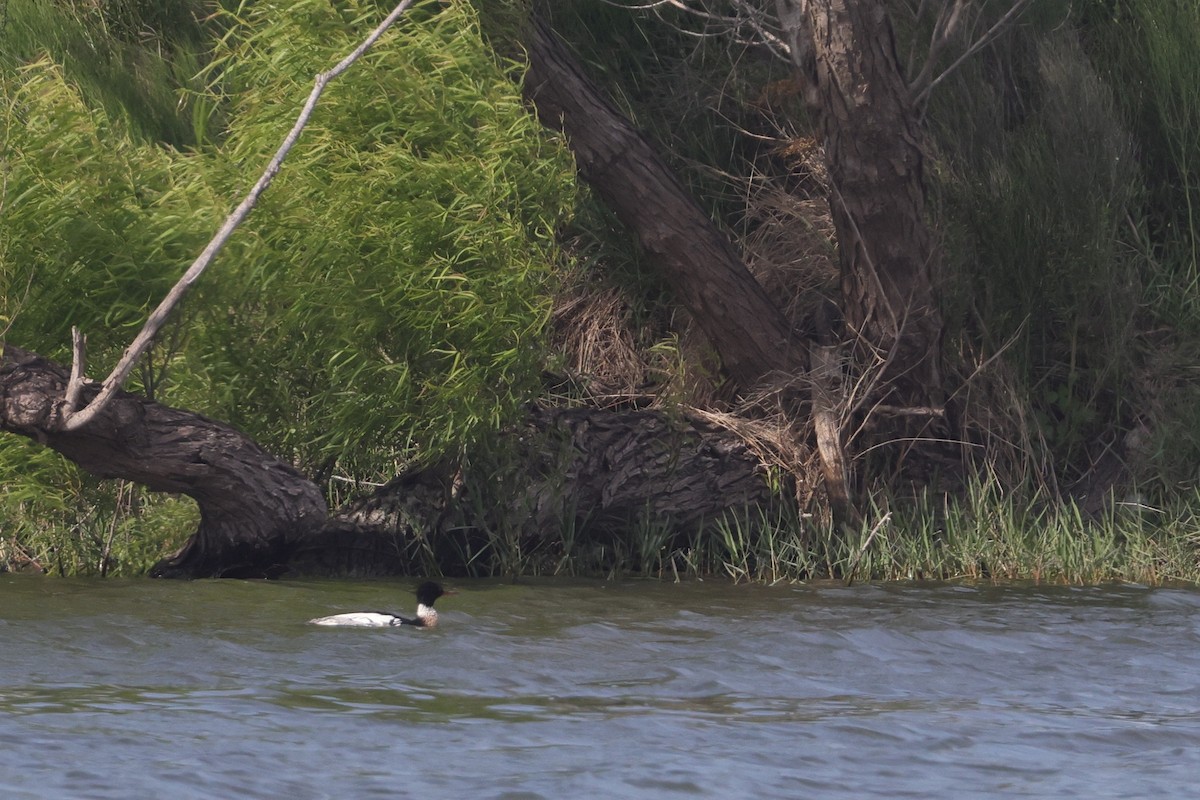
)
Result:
{"points": [[57, 519], [133, 58], [395, 290], [1150, 46], [386, 298], [94, 222], [384, 302], [991, 533], [1036, 187], [997, 534]]}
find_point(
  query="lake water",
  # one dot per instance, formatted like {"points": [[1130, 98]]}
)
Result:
{"points": [[218, 689]]}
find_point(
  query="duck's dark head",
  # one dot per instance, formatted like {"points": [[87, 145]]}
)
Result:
{"points": [[428, 592]]}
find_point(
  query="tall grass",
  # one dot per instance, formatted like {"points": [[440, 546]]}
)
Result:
{"points": [[988, 534], [991, 535], [1036, 186], [1150, 46], [56, 519]]}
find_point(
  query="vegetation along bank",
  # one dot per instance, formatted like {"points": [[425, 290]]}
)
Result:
{"points": [[771, 290]]}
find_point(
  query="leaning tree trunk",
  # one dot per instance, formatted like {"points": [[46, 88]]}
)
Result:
{"points": [[254, 509], [700, 263]]}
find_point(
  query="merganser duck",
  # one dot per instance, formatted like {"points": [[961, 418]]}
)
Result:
{"points": [[427, 593]]}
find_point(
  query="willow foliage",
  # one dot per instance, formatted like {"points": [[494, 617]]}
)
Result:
{"points": [[387, 296], [129, 57]]}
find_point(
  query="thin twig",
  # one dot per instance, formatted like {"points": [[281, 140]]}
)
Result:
{"points": [[158, 317], [78, 369], [921, 93], [867, 543]]}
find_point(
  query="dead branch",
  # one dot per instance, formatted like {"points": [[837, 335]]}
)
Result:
{"points": [[943, 30], [72, 419]]}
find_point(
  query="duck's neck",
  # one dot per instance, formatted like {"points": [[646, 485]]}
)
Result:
{"points": [[426, 615]]}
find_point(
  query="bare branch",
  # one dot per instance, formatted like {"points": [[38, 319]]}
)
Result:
{"points": [[943, 30], [78, 367], [747, 25], [74, 420], [794, 24], [921, 93]]}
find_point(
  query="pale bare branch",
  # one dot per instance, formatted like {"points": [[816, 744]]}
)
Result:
{"points": [[74, 420], [748, 24], [943, 30], [793, 22], [78, 367]]}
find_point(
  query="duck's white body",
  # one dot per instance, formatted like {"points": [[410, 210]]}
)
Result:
{"points": [[427, 593], [426, 618]]}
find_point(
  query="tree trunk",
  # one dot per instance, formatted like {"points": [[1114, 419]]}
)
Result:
{"points": [[845, 50], [710, 279], [596, 474], [743, 324], [575, 482], [253, 507], [603, 470]]}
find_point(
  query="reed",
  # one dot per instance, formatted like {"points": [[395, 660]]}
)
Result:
{"points": [[989, 534]]}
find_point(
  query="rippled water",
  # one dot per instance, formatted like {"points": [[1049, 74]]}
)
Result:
{"points": [[124, 689]]}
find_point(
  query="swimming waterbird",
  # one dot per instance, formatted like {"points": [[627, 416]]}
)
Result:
{"points": [[427, 593]]}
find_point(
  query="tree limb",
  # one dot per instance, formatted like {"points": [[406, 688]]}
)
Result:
{"points": [[943, 30], [78, 368], [72, 419]]}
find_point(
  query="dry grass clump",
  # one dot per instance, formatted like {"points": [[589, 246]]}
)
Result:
{"points": [[592, 328], [780, 435], [789, 245]]}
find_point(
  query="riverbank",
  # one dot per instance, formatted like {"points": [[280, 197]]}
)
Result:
{"points": [[984, 535]]}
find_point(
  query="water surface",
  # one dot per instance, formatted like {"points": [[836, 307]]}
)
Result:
{"points": [[119, 689]]}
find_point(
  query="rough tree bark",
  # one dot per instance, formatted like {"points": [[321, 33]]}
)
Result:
{"points": [[845, 51], [709, 278], [261, 517], [254, 508]]}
